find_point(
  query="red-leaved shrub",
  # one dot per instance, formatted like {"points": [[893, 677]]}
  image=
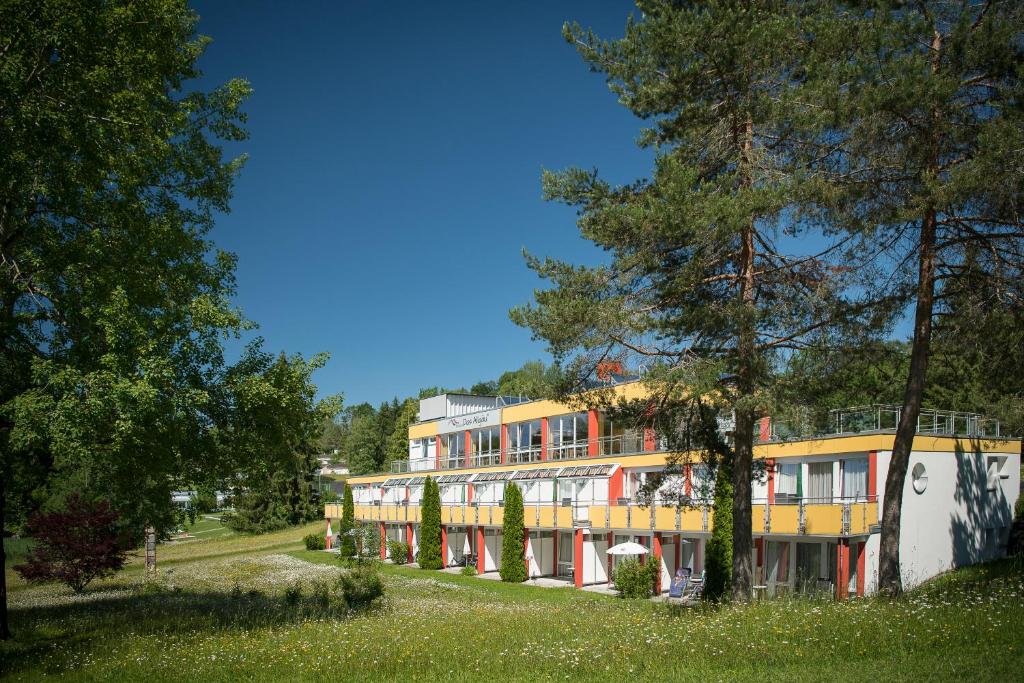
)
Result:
{"points": [[74, 545]]}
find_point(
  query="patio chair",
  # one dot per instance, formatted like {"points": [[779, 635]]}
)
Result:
{"points": [[680, 582]]}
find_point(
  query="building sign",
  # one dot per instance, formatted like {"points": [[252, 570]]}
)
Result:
{"points": [[487, 418]]}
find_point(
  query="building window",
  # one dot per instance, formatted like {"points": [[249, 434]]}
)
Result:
{"points": [[787, 483], [919, 478], [819, 480], [855, 478], [524, 441], [567, 436]]}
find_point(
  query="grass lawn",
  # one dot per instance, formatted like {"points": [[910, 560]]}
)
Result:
{"points": [[218, 612]]}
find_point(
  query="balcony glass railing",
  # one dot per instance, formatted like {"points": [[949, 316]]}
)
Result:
{"points": [[882, 418], [485, 459], [523, 455], [569, 451]]}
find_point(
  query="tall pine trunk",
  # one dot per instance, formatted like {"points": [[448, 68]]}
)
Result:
{"points": [[742, 532], [889, 580]]}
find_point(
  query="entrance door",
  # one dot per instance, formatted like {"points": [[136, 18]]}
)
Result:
{"points": [[668, 563]]}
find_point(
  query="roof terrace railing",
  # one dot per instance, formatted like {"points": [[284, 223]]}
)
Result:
{"points": [[885, 418]]}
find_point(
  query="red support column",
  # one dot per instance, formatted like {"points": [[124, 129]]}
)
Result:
{"points": [[615, 486], [679, 551], [504, 444], [770, 465], [543, 438], [611, 540], [698, 556], [764, 428], [437, 452], [408, 541], [577, 558], [649, 441], [444, 546], [873, 475], [383, 541], [481, 552], [861, 552], [656, 557], [594, 433], [554, 552], [759, 545], [689, 480], [469, 441], [842, 569]]}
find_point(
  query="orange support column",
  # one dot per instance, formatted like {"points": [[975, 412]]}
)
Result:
{"points": [[577, 558], [593, 434], [481, 551], [444, 546], [656, 558], [649, 442], [408, 541], [543, 438], [383, 541], [842, 569], [615, 487], [770, 465], [468, 444], [504, 444]]}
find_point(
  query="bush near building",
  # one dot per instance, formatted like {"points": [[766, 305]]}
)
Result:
{"points": [[399, 551], [635, 579], [513, 564], [314, 542], [361, 586], [718, 565], [346, 541], [430, 527]]}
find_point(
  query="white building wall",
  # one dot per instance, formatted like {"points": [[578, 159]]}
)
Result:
{"points": [[955, 522]]}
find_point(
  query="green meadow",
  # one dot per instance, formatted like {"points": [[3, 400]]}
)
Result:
{"points": [[228, 607]]}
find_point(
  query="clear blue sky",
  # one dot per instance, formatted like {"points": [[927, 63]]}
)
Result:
{"points": [[394, 176]]}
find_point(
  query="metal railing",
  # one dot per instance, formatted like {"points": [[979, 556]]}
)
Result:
{"points": [[884, 418], [519, 456], [569, 451], [486, 459]]}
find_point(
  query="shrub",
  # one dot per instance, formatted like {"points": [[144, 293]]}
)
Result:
{"points": [[634, 579], [430, 527], [369, 540], [315, 542], [469, 570], [292, 594], [74, 545], [399, 551], [321, 593], [513, 564], [718, 565], [361, 586]]}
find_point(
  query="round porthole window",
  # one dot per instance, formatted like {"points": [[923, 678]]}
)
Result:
{"points": [[919, 477]]}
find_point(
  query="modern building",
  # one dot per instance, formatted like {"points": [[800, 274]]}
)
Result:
{"points": [[816, 511]]}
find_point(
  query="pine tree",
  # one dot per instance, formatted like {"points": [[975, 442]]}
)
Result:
{"points": [[430, 555], [711, 276], [926, 162], [347, 543], [718, 565], [513, 560]]}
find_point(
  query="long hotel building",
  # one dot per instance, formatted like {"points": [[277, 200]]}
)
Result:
{"points": [[816, 512]]}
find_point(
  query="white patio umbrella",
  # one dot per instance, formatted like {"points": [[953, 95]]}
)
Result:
{"points": [[628, 548]]}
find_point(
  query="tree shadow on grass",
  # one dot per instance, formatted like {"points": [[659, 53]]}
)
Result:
{"points": [[92, 625]]}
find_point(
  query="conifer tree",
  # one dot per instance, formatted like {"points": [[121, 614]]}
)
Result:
{"points": [[347, 543], [430, 555], [718, 565], [513, 559], [927, 162], [705, 285]]}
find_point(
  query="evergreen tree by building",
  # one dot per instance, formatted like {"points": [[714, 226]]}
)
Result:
{"points": [[513, 565], [718, 565], [431, 552], [346, 542]]}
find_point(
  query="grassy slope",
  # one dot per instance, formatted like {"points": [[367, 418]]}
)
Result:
{"points": [[440, 626]]}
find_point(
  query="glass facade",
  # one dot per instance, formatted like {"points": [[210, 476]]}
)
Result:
{"points": [[567, 436]]}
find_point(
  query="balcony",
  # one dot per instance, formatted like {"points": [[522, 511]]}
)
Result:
{"points": [[882, 418], [522, 456], [840, 518]]}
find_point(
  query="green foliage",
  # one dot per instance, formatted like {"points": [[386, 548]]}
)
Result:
{"points": [[205, 500], [368, 540], [346, 540], [293, 593], [398, 551], [635, 579], [513, 561], [468, 570], [314, 541], [430, 553], [361, 586], [718, 558]]}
